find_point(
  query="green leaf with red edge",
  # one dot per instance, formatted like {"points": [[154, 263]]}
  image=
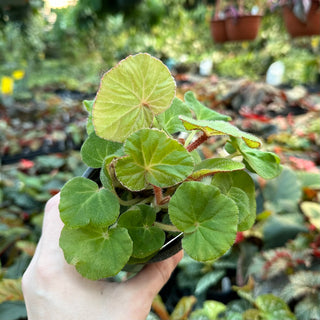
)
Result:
{"points": [[214, 165], [147, 239], [95, 149], [218, 127], [130, 95], [201, 111], [153, 158], [82, 203], [208, 219], [239, 186], [96, 252]]}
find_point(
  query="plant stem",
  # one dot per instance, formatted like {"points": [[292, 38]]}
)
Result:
{"points": [[158, 194], [160, 199], [166, 227], [195, 144], [190, 137], [128, 203], [131, 202]]}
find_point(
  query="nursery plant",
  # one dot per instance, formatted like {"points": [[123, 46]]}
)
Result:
{"points": [[151, 186], [300, 8]]}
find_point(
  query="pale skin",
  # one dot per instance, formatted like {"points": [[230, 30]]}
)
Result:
{"points": [[54, 290]]}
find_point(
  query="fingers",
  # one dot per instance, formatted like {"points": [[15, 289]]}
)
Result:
{"points": [[153, 277], [52, 224]]}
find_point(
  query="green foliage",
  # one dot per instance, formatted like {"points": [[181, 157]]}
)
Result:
{"points": [[240, 188], [146, 238], [153, 158], [91, 209], [215, 213], [98, 149], [284, 193], [130, 95], [210, 311], [151, 176], [271, 307]]}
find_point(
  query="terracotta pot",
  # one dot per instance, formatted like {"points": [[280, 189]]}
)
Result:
{"points": [[297, 28], [218, 31], [243, 28]]}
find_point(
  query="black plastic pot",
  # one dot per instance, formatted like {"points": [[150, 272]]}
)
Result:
{"points": [[170, 248]]}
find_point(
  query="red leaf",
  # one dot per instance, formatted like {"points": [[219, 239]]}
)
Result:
{"points": [[25, 164]]}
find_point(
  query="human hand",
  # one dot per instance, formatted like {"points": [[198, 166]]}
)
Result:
{"points": [[54, 290]]}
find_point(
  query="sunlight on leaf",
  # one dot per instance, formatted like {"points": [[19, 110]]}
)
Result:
{"points": [[214, 165], [130, 95], [219, 127]]}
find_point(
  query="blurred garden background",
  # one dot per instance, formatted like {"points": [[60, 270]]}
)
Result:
{"points": [[52, 56]]}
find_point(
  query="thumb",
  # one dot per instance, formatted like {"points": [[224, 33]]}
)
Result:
{"points": [[154, 276]]}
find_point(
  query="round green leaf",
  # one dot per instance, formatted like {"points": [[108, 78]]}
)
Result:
{"points": [[214, 165], [146, 238], [130, 95], [239, 186], [208, 219], [96, 253], [82, 202], [153, 158], [95, 149], [219, 127]]}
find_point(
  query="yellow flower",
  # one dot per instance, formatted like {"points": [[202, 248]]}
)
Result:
{"points": [[245, 45], [7, 85], [18, 74], [315, 42]]}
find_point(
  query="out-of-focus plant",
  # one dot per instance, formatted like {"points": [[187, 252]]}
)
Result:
{"points": [[300, 8]]}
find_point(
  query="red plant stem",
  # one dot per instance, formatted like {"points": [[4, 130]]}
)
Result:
{"points": [[158, 194], [195, 144]]}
